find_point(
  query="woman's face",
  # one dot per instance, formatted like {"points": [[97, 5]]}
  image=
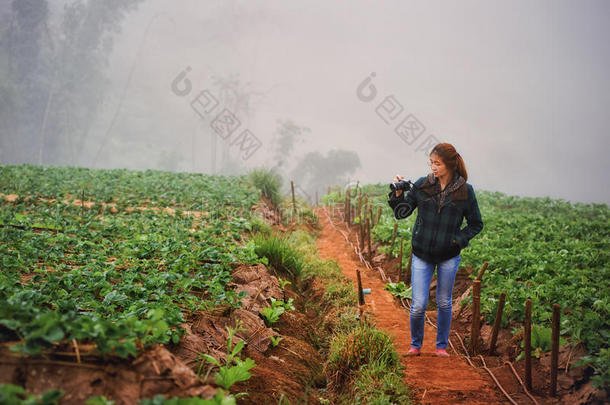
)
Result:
{"points": [[438, 167]]}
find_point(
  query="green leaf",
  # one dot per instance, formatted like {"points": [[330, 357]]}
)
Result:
{"points": [[237, 348], [210, 359], [99, 400], [227, 376]]}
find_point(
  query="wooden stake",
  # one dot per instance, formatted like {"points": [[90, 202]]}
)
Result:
{"points": [[476, 317], [555, 349], [498, 320], [361, 226], [364, 208], [76, 350], [294, 204], [394, 232], [345, 208], [349, 207], [368, 238], [528, 343], [400, 254], [482, 271], [378, 216], [360, 292]]}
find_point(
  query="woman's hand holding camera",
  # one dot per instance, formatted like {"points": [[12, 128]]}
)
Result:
{"points": [[397, 179]]}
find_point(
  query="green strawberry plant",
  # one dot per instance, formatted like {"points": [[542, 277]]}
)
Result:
{"points": [[116, 276], [272, 314], [275, 340], [399, 289], [15, 395], [540, 341], [234, 369]]}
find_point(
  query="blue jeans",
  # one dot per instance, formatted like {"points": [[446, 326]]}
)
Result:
{"points": [[421, 275]]}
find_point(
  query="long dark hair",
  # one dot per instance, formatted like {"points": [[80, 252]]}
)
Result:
{"points": [[451, 158]]}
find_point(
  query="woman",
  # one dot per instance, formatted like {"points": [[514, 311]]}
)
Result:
{"points": [[443, 199]]}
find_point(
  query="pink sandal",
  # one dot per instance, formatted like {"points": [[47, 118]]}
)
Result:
{"points": [[414, 352], [442, 352]]}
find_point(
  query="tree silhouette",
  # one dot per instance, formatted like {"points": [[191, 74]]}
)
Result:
{"points": [[315, 171], [54, 80], [286, 136]]}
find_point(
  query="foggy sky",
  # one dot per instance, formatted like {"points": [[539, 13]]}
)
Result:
{"points": [[520, 88]]}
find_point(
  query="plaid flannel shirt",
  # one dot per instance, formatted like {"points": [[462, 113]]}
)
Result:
{"points": [[436, 235]]}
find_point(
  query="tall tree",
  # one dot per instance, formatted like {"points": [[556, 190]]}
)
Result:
{"points": [[286, 137], [23, 83], [235, 97], [54, 80]]}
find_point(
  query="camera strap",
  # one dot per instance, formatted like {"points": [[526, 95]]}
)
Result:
{"points": [[432, 195]]}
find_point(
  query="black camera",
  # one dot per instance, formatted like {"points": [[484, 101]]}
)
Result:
{"points": [[404, 185]]}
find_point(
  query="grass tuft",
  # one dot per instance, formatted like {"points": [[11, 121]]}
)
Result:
{"points": [[268, 182], [281, 256]]}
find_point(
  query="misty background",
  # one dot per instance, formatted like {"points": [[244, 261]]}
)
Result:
{"points": [[315, 90]]}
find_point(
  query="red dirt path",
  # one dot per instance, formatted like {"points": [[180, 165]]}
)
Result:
{"points": [[432, 379]]}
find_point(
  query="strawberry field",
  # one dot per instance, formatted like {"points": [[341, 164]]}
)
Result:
{"points": [[113, 270]]}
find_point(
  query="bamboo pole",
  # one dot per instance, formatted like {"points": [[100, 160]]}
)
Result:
{"points": [[476, 317], [528, 343], [497, 322], [555, 349]]}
